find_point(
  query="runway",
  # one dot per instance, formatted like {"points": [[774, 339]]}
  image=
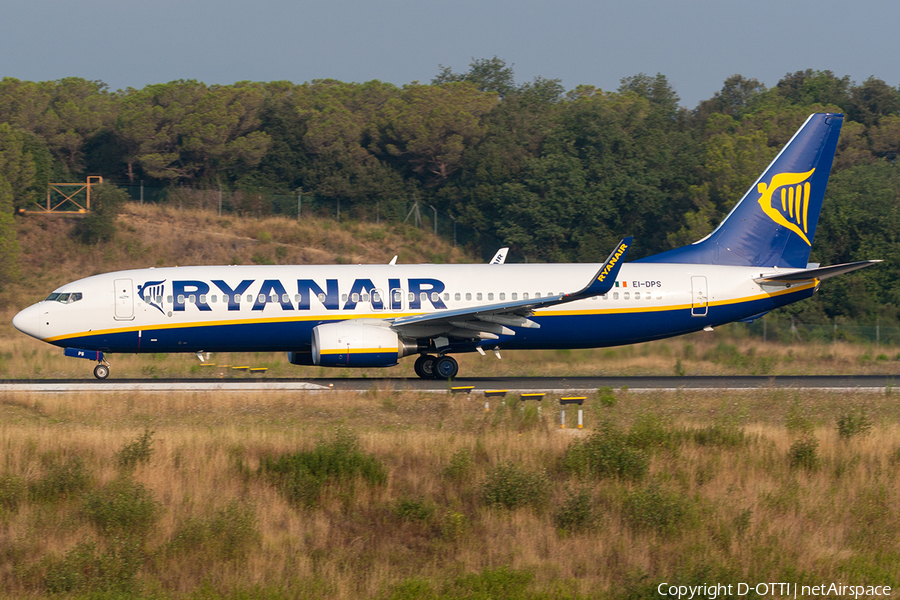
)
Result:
{"points": [[873, 383]]}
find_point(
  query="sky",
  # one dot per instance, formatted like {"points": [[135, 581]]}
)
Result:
{"points": [[696, 44]]}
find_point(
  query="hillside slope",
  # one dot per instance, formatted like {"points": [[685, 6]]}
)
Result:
{"points": [[156, 236]]}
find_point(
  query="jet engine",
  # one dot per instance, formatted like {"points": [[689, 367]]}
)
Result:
{"points": [[359, 343]]}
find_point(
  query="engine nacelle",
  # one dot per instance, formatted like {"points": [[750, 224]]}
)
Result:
{"points": [[358, 343]]}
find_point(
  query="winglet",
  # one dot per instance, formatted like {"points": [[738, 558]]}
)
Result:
{"points": [[605, 278], [500, 256]]}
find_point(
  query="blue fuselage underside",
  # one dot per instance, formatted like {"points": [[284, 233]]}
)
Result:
{"points": [[591, 330]]}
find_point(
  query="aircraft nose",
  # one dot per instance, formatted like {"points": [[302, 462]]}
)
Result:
{"points": [[28, 321]]}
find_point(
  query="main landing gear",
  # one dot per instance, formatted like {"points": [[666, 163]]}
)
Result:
{"points": [[436, 367]]}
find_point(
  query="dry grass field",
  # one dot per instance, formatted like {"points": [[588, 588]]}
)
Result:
{"points": [[401, 495]]}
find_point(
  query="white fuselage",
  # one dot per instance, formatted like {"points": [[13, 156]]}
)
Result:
{"points": [[235, 308]]}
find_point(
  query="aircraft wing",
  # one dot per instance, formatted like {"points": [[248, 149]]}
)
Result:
{"points": [[811, 274], [492, 320]]}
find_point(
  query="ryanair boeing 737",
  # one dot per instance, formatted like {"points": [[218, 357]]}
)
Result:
{"points": [[374, 315]]}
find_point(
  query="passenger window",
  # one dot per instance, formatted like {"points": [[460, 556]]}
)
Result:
{"points": [[354, 297], [615, 295], [626, 296], [376, 297], [365, 297], [321, 297], [423, 297], [525, 296], [503, 295], [169, 299], [343, 297], [398, 297], [159, 299], [537, 295], [411, 297], [606, 296], [237, 298], [203, 299], [478, 296], [468, 295], [637, 295], [213, 298], [515, 296], [456, 296], [435, 297], [260, 298], [273, 298], [285, 298], [490, 295], [249, 297], [180, 298], [659, 296], [447, 297]]}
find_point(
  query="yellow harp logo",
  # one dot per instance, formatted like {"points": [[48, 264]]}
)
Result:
{"points": [[792, 190]]}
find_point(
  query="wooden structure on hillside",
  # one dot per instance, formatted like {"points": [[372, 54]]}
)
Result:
{"points": [[66, 198]]}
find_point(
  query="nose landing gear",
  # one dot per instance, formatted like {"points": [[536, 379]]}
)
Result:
{"points": [[101, 371]]}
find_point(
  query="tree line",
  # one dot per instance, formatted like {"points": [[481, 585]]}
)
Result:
{"points": [[559, 175]]}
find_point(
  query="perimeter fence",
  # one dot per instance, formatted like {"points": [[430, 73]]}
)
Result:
{"points": [[297, 206], [775, 328]]}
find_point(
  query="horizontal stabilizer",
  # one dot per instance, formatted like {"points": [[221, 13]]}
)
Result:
{"points": [[811, 274]]}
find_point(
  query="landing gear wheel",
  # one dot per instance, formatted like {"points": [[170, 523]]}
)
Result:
{"points": [[424, 366], [446, 367], [101, 371]]}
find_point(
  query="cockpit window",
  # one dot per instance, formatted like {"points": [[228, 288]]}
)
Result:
{"points": [[64, 298]]}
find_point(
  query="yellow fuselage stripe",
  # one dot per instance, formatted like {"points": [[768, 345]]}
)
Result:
{"points": [[339, 317]]}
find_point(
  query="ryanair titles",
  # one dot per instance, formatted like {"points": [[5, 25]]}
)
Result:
{"points": [[611, 262], [308, 294]]}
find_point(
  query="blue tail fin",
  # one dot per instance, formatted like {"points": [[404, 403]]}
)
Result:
{"points": [[774, 223]]}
